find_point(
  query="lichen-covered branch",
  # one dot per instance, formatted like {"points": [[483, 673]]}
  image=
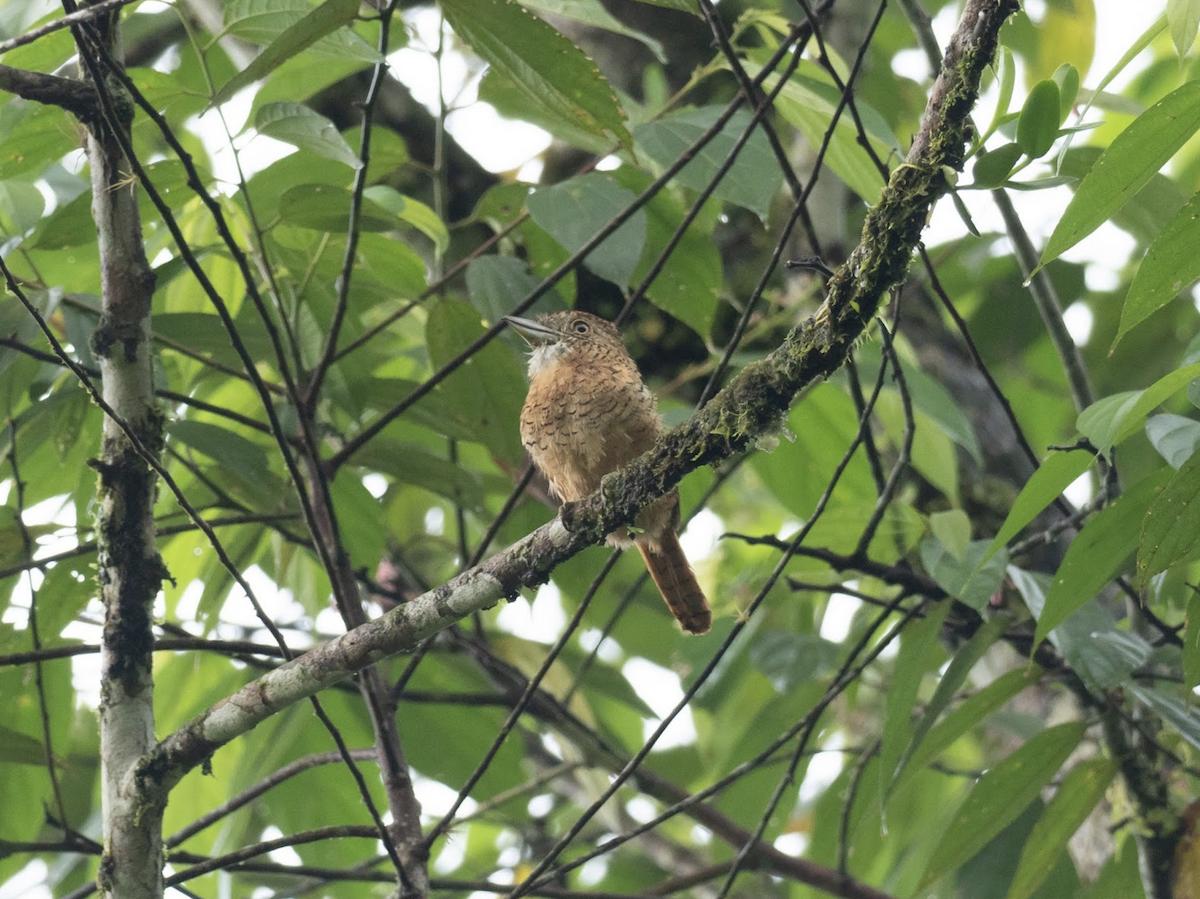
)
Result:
{"points": [[129, 569]]}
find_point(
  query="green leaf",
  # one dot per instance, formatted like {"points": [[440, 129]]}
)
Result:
{"points": [[809, 103], [1191, 642], [574, 210], [1184, 18], [1171, 528], [992, 168], [485, 393], [592, 13], [32, 136], [325, 207], [973, 710], [1006, 77], [299, 35], [920, 651], [929, 397], [751, 182], [412, 212], [1131, 160], [237, 457], [1053, 476], [680, 5], [553, 74], [1038, 124], [297, 124], [1175, 711], [952, 529], [955, 675], [21, 207], [1089, 639], [688, 284], [1080, 791], [1097, 554], [789, 659], [971, 580], [1170, 265], [1174, 436], [1066, 77], [497, 283], [1001, 795], [1109, 421]]}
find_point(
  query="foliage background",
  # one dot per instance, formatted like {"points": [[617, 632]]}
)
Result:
{"points": [[877, 714]]}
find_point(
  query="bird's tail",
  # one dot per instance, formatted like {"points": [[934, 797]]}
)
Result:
{"points": [[676, 582]]}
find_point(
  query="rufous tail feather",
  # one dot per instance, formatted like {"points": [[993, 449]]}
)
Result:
{"points": [[676, 582]]}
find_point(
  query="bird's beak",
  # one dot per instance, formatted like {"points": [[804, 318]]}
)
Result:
{"points": [[534, 333]]}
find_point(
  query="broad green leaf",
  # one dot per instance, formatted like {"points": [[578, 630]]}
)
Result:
{"points": [[1169, 267], [512, 102], [1184, 18], [790, 659], [1110, 420], [796, 473], [574, 210], [1037, 126], [358, 521], [1078, 794], [1171, 528], [952, 529], [237, 457], [553, 74], [752, 181], [1174, 436], [314, 24], [992, 169], [1098, 554], [1102, 655], [32, 136], [841, 527], [688, 284], [592, 13], [297, 124], [920, 651], [1001, 795], [1148, 212], [971, 580], [1067, 32], [412, 212], [1131, 160], [21, 207], [955, 675], [486, 392], [1176, 711], [1053, 476], [21, 749], [1066, 77], [497, 283], [413, 464], [681, 5], [1191, 642], [324, 207]]}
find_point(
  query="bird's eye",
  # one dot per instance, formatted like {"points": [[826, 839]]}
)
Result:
{"points": [[579, 326]]}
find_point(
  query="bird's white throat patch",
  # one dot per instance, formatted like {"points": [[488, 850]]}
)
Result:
{"points": [[545, 355]]}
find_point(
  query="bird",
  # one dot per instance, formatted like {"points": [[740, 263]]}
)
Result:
{"points": [[587, 413]]}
